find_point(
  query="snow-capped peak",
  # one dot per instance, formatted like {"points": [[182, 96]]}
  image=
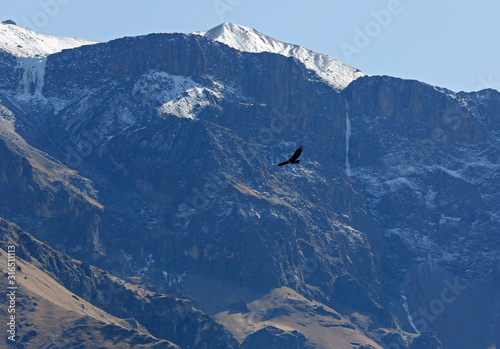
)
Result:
{"points": [[22, 42], [335, 73]]}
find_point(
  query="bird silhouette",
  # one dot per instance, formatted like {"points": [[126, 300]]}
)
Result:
{"points": [[293, 159]]}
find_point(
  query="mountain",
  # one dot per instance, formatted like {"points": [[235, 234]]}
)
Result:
{"points": [[147, 163], [21, 42], [333, 72], [51, 285]]}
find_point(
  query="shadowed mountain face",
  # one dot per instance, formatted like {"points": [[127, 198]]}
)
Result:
{"points": [[152, 158], [68, 303]]}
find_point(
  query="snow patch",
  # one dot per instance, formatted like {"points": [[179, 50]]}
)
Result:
{"points": [[149, 260], [22, 42], [449, 220], [172, 279], [332, 71], [190, 103], [395, 183], [178, 95]]}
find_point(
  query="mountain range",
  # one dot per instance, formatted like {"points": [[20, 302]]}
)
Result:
{"points": [[138, 185]]}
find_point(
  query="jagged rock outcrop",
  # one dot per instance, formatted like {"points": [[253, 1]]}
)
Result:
{"points": [[274, 338]]}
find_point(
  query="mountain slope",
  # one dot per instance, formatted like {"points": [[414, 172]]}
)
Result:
{"points": [[41, 299], [52, 284], [21, 42], [335, 73]]}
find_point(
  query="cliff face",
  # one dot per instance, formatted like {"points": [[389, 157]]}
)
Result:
{"points": [[152, 157], [428, 160], [44, 195]]}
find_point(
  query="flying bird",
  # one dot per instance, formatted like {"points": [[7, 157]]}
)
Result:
{"points": [[293, 159]]}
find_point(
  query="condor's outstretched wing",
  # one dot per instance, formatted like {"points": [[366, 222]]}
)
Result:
{"points": [[296, 155], [293, 159], [283, 163]]}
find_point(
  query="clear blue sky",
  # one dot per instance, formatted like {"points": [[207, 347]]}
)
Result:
{"points": [[448, 43]]}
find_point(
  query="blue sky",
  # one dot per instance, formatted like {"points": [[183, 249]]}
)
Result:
{"points": [[448, 43]]}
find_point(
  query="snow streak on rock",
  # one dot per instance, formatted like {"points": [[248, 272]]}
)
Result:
{"points": [[33, 75], [347, 139], [407, 311]]}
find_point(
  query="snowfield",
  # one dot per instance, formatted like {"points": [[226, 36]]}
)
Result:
{"points": [[23, 42], [333, 72]]}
